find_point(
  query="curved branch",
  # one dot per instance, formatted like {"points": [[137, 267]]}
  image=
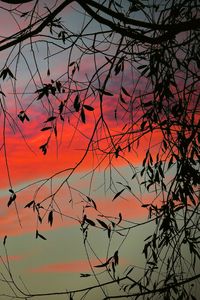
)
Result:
{"points": [[182, 26], [160, 290], [30, 33], [16, 1], [172, 30]]}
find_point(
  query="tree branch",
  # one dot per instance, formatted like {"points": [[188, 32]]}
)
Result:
{"points": [[30, 33]]}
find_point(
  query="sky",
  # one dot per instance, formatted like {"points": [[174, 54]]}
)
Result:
{"points": [[56, 263]]}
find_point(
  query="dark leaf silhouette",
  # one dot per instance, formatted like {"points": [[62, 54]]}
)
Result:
{"points": [[85, 275], [122, 99], [44, 148], [29, 204], [2, 93], [4, 240], [120, 218], [125, 91], [103, 265], [109, 232], [118, 194], [40, 236], [88, 107], [6, 72], [46, 128], [116, 258], [90, 222], [40, 219], [105, 92], [103, 224], [50, 218], [83, 116], [23, 116], [12, 199], [58, 86], [77, 103], [50, 119]]}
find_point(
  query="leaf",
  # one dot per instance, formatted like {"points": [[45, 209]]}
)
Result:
{"points": [[12, 199], [6, 72], [50, 119], [44, 148], [120, 218], [116, 257], [23, 116], [109, 232], [141, 67], [2, 93], [83, 115], [55, 131], [61, 107], [91, 200], [24, 14], [4, 240], [46, 128], [29, 204], [122, 99], [104, 264], [85, 275], [72, 63], [125, 92], [50, 218], [88, 107], [40, 235], [142, 126], [145, 205], [117, 151], [103, 224], [117, 69], [77, 103], [41, 95], [105, 92], [58, 86], [118, 194], [90, 222]]}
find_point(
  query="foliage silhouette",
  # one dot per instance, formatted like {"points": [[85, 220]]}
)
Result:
{"points": [[139, 94]]}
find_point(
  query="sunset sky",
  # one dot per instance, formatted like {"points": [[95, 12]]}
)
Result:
{"points": [[56, 263]]}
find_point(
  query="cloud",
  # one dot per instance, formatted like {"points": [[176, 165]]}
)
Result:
{"points": [[76, 266], [10, 258]]}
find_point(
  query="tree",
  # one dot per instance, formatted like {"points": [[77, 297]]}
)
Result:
{"points": [[141, 88]]}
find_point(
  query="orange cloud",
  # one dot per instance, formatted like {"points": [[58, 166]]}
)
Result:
{"points": [[10, 258], [69, 267], [76, 266]]}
